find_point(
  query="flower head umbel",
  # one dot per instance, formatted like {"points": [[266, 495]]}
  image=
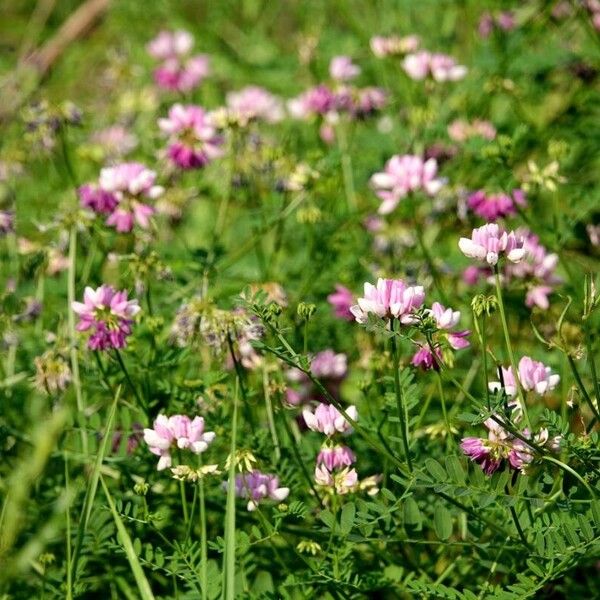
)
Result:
{"points": [[193, 140], [533, 376], [328, 420], [98, 200], [178, 71], [335, 457], [440, 67], [490, 242], [393, 45], [390, 298], [177, 431], [402, 175], [254, 103], [341, 300], [341, 68], [108, 314], [491, 207], [257, 486], [319, 100]]}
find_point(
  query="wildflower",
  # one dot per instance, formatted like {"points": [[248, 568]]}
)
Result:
{"points": [[308, 547], [439, 66], [547, 177], [328, 420], [532, 374], [342, 482], [404, 174], [7, 221], [115, 141], [341, 68], [393, 45], [461, 130], [179, 431], [52, 373], [254, 103], [243, 459], [494, 206], [257, 486], [341, 300], [424, 359], [130, 183], [335, 457], [109, 314], [193, 140], [504, 20], [185, 473], [390, 298], [490, 242], [94, 197], [316, 101], [179, 71]]}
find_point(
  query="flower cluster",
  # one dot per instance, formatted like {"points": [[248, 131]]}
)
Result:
{"points": [[341, 301], [383, 46], [402, 175], [492, 207], [440, 67], [490, 242], [488, 22], [533, 376], [253, 103], [108, 314], [177, 431], [193, 140], [257, 486], [461, 130], [122, 193], [179, 71]]}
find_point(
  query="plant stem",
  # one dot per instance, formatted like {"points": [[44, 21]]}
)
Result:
{"points": [[511, 356], [444, 411], [270, 417], [400, 401], [203, 544], [130, 382], [346, 168], [184, 506], [581, 387]]}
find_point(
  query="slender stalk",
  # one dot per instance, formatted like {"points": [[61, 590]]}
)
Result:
{"points": [[403, 425], [517, 523], [129, 381], [435, 274], [511, 356], [581, 387], [184, 506], [444, 411], [347, 168], [72, 335], [68, 534], [203, 544], [270, 417]]}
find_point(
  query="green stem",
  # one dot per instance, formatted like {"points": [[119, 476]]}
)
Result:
{"points": [[400, 401], [203, 543], [270, 417], [347, 168], [184, 506], [444, 411], [511, 356], [581, 387], [129, 381]]}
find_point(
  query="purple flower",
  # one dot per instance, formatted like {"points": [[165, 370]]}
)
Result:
{"points": [[177, 431], [494, 206], [94, 197], [341, 300], [489, 242], [390, 298], [335, 457], [329, 365], [108, 314], [328, 420], [257, 486], [193, 139], [7, 221], [182, 75], [316, 101], [341, 68], [478, 451], [404, 174], [424, 359]]}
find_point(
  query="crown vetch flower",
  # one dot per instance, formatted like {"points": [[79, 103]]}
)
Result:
{"points": [[343, 482], [254, 102], [494, 206], [393, 45], [335, 457], [328, 420], [257, 486], [389, 298], [490, 241], [99, 200], [108, 314], [440, 67], [533, 375], [342, 68], [193, 140], [319, 100], [402, 175], [168, 44], [341, 300], [176, 431]]}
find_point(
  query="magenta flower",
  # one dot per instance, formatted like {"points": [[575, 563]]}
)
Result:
{"points": [[193, 140], [341, 300], [257, 486], [177, 431], [494, 206], [131, 184], [341, 68], [390, 298], [490, 242], [108, 314], [319, 100], [94, 197], [404, 174], [7, 221], [480, 452], [335, 457], [254, 103], [328, 420], [439, 66], [423, 358], [533, 375]]}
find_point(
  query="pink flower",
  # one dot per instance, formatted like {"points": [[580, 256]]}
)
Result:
{"points": [[93, 197], [533, 375], [335, 457], [257, 486], [316, 101], [177, 431], [182, 75], [425, 360], [404, 174], [168, 44], [538, 296], [109, 314], [478, 451], [368, 101], [129, 183], [342, 482], [193, 141], [393, 45], [390, 298], [328, 420], [254, 102], [494, 206], [329, 365], [341, 301], [490, 242], [342, 68], [461, 130], [417, 65], [445, 318], [115, 141], [439, 66]]}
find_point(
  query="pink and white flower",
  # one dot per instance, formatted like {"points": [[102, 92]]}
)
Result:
{"points": [[341, 68], [254, 103], [108, 314], [328, 420], [490, 242], [256, 486], [440, 67], [533, 375], [335, 457]]}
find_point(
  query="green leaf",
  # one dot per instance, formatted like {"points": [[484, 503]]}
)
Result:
{"points": [[347, 518], [327, 517], [412, 514], [442, 521], [435, 469]]}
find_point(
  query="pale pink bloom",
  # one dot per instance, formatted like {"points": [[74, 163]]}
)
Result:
{"points": [[457, 340], [177, 431], [319, 100], [116, 141], [461, 130], [254, 102], [342, 482], [393, 45], [335, 457], [327, 133], [341, 301], [182, 74], [168, 44], [390, 298], [368, 100], [538, 296], [329, 365], [342, 68], [440, 67], [108, 314], [417, 65], [328, 420], [193, 140], [489, 242], [256, 486], [533, 375], [402, 175], [445, 318], [494, 206]]}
